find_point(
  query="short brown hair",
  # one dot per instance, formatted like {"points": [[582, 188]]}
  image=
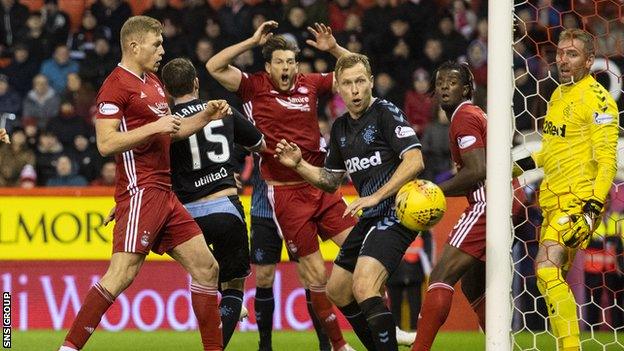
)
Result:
{"points": [[583, 36], [179, 76], [278, 42], [136, 27], [350, 60]]}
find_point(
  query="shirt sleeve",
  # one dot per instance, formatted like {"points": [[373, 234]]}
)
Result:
{"points": [[245, 133], [324, 82], [111, 102], [397, 131], [603, 121], [469, 132], [333, 160], [247, 86]]}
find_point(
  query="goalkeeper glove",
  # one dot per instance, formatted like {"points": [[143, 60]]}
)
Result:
{"points": [[583, 224], [522, 160]]}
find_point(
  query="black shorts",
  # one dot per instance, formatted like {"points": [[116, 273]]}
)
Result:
{"points": [[223, 223], [382, 238], [266, 244]]}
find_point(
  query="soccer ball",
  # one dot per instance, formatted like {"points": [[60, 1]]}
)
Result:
{"points": [[420, 204]]}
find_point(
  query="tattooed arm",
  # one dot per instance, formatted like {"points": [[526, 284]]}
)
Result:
{"points": [[289, 155]]}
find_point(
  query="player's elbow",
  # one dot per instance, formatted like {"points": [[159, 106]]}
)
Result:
{"points": [[104, 149], [212, 67]]}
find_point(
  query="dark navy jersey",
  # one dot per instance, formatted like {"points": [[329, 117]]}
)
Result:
{"points": [[201, 164], [260, 206], [370, 149]]}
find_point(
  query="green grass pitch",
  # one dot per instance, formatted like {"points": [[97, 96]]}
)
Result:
{"points": [[287, 341]]}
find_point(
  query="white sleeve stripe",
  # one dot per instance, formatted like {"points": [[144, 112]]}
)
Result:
{"points": [[335, 170], [419, 145], [256, 144]]}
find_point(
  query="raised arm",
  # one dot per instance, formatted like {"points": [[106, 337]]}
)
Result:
{"points": [[4, 136], [411, 165], [215, 109], [324, 40], [111, 141], [219, 66], [470, 174], [289, 155]]}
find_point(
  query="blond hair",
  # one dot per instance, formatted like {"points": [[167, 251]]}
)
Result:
{"points": [[586, 38], [350, 60], [136, 27]]}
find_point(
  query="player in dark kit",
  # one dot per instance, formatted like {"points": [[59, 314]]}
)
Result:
{"points": [[134, 124], [464, 253], [375, 144], [203, 180]]}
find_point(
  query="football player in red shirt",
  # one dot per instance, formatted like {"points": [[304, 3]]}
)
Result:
{"points": [[282, 103], [134, 124], [464, 253]]}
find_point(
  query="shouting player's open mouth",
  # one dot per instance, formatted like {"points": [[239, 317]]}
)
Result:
{"points": [[357, 102], [284, 78]]}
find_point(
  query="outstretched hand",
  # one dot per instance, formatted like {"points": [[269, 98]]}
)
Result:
{"points": [[323, 38], [263, 33], [288, 154], [360, 204]]}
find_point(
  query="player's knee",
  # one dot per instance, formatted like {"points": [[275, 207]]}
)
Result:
{"points": [[315, 275], [117, 280], [363, 288], [206, 273], [236, 284], [265, 275], [335, 292]]}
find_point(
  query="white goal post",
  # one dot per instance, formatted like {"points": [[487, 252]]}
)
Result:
{"points": [[499, 197]]}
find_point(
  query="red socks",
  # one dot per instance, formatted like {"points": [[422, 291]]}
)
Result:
{"points": [[326, 315], [433, 314], [96, 303], [206, 307]]}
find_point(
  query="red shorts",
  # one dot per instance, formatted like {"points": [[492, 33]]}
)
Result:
{"points": [[152, 219], [468, 234], [302, 212]]}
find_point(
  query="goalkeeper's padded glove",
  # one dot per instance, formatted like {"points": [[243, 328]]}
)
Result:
{"points": [[522, 160], [582, 224]]}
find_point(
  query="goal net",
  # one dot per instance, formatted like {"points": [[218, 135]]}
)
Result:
{"points": [[595, 276]]}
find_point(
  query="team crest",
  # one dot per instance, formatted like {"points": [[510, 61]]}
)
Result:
{"points": [[303, 90], [343, 142], [292, 247], [369, 134], [160, 91], [145, 238]]}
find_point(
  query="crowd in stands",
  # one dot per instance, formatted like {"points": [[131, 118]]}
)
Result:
{"points": [[50, 74]]}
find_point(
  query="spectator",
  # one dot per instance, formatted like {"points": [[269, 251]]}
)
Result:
{"points": [[107, 175], [13, 17], [36, 39], [212, 31], [385, 88], [418, 102], [433, 55], [315, 10], [98, 63], [85, 155], [464, 18], [173, 41], [339, 11], [58, 67], [32, 132], [435, 148], [21, 70], [13, 157], [396, 53], [422, 16], [67, 125], [194, 12], [56, 22], [28, 177], [161, 10], [65, 174], [83, 41], [41, 103], [454, 44], [10, 100], [82, 96], [235, 18], [376, 21], [48, 150], [295, 26], [111, 14]]}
